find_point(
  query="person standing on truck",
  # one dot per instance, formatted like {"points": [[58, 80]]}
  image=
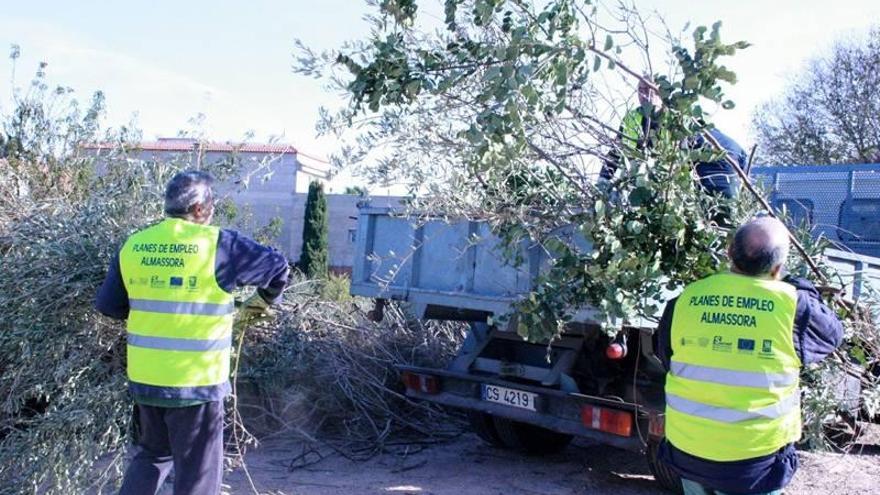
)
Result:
{"points": [[641, 123], [636, 130], [173, 283], [733, 345]]}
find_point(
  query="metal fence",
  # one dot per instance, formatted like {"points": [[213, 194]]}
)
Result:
{"points": [[839, 202]]}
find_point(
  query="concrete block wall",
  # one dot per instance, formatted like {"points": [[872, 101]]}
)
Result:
{"points": [[266, 191]]}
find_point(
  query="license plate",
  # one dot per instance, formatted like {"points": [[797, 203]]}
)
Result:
{"points": [[510, 397]]}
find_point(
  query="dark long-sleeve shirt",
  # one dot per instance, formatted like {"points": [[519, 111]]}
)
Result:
{"points": [[817, 333], [240, 261]]}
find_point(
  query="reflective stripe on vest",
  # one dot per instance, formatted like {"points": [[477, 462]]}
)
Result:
{"points": [[180, 319], [732, 387], [182, 308], [172, 344], [723, 376], [725, 415]]}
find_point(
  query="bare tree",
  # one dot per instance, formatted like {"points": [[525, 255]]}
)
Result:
{"points": [[831, 113]]}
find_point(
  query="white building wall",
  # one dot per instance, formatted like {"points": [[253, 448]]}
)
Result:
{"points": [[265, 190], [269, 188]]}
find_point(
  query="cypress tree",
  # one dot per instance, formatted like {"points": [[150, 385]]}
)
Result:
{"points": [[314, 259]]}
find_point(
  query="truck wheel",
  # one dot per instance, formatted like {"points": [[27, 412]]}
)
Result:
{"points": [[666, 477], [530, 438], [484, 427]]}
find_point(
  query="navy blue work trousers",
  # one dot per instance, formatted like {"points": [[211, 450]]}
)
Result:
{"points": [[189, 439]]}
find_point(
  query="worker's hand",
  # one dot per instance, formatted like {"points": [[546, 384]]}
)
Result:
{"points": [[255, 308]]}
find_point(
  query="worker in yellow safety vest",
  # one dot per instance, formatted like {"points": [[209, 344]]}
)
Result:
{"points": [[733, 345], [639, 127], [173, 282]]}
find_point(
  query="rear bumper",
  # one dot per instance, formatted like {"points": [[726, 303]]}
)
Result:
{"points": [[556, 410]]}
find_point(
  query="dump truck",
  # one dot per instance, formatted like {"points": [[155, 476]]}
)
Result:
{"points": [[533, 397]]}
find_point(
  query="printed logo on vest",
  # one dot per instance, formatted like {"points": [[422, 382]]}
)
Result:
{"points": [[718, 344], [157, 282], [175, 282], [766, 349], [691, 341], [745, 346]]}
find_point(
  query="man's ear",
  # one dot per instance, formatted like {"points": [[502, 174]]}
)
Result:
{"points": [[201, 212], [776, 272]]}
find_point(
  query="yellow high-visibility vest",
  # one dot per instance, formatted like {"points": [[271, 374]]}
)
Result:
{"points": [[180, 321], [632, 129], [732, 388]]}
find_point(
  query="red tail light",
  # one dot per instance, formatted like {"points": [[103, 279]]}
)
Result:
{"points": [[607, 420], [426, 384]]}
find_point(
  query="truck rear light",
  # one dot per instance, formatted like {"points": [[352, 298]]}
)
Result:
{"points": [[416, 382], [607, 420], [615, 351], [617, 347], [656, 425]]}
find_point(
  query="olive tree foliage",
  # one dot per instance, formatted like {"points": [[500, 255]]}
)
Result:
{"points": [[44, 123], [62, 379], [830, 114], [505, 111], [63, 216]]}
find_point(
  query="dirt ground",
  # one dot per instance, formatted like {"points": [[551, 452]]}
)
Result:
{"points": [[465, 466]]}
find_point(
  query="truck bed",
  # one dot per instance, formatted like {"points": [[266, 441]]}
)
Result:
{"points": [[448, 270]]}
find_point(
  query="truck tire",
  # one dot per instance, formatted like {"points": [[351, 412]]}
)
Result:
{"points": [[484, 427], [530, 438], [663, 475]]}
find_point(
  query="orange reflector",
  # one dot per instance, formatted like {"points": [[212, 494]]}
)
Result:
{"points": [[420, 383], [607, 420]]}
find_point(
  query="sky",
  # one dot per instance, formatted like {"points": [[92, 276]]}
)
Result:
{"points": [[166, 62]]}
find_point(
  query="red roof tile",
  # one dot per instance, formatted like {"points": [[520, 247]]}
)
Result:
{"points": [[189, 145]]}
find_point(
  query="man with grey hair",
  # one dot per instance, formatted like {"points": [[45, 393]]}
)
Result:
{"points": [[173, 283], [733, 345], [760, 248]]}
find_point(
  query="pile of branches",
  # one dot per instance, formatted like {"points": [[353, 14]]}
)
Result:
{"points": [[323, 371], [62, 366], [62, 379], [63, 401]]}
